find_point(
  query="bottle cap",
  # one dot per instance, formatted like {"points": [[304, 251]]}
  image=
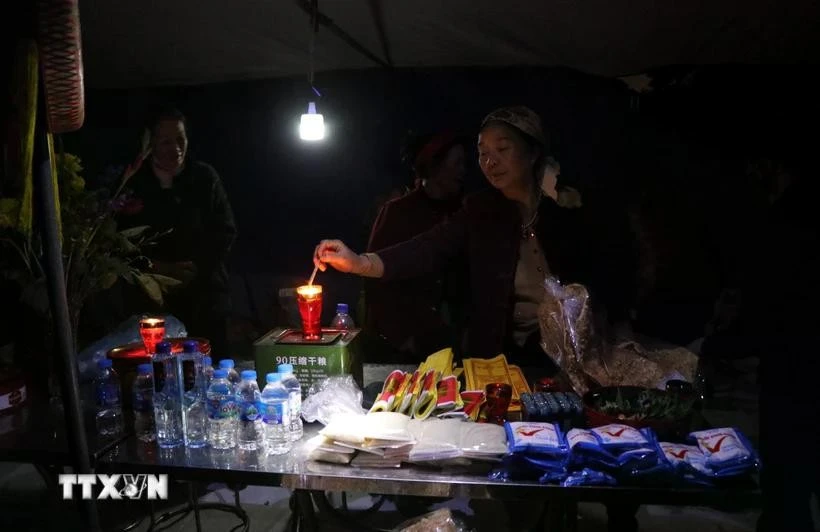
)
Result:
{"points": [[273, 377], [226, 364], [342, 308], [206, 361], [221, 374], [105, 363], [248, 375], [190, 346], [144, 369], [285, 368], [164, 348]]}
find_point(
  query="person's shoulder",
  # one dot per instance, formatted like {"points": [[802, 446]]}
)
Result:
{"points": [[404, 203], [204, 170]]}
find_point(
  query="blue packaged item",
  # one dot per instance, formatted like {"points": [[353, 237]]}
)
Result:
{"points": [[588, 477], [546, 464], [514, 467], [638, 459], [617, 438], [688, 463], [727, 451], [553, 477], [545, 439], [586, 450]]}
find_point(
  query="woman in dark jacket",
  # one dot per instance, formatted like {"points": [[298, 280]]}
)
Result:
{"points": [[513, 236]]}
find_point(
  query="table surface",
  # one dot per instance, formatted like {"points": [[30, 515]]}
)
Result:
{"points": [[294, 471], [36, 433]]}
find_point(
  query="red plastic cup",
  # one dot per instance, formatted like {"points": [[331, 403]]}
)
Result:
{"points": [[309, 299], [498, 397], [152, 330]]}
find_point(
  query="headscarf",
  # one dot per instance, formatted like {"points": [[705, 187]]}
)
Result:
{"points": [[521, 118]]}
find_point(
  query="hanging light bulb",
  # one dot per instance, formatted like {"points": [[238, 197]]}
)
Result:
{"points": [[312, 125]]}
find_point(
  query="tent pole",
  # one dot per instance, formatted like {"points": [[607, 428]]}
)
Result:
{"points": [[64, 343]]}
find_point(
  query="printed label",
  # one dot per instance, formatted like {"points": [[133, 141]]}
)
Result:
{"points": [[721, 445], [108, 394], [295, 405], [576, 436], [678, 454], [249, 411], [222, 408], [275, 414], [538, 434], [619, 434]]}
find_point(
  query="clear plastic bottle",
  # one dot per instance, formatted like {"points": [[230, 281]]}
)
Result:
{"points": [[143, 404], [275, 415], [109, 406], [194, 413], [222, 412], [228, 365], [207, 372], [342, 320], [250, 405], [291, 384], [168, 398]]}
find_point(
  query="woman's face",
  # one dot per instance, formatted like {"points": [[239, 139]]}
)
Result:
{"points": [[505, 158], [449, 174], [170, 144]]}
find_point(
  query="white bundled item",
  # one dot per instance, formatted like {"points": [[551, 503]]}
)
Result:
{"points": [[369, 430], [483, 441], [448, 439], [321, 449], [332, 397]]}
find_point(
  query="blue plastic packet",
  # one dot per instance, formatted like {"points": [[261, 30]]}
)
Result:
{"points": [[588, 477], [553, 477], [617, 438], [638, 459], [545, 439], [688, 462], [515, 467], [546, 464], [727, 451], [586, 450]]}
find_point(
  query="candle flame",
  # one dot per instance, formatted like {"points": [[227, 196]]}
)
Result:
{"points": [[309, 291]]}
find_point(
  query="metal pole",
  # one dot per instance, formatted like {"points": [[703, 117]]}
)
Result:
{"points": [[55, 280]]}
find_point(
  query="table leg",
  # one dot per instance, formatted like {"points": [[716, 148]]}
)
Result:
{"points": [[195, 505], [305, 515]]}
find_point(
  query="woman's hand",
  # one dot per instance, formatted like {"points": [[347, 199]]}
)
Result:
{"points": [[338, 255], [343, 259]]}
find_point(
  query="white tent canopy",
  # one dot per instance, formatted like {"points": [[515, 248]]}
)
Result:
{"points": [[165, 42]]}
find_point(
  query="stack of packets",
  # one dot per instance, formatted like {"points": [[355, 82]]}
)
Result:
{"points": [[382, 438], [615, 453], [479, 372], [432, 390], [566, 409], [386, 439]]}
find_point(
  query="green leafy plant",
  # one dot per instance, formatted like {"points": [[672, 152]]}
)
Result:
{"points": [[649, 404], [95, 252]]}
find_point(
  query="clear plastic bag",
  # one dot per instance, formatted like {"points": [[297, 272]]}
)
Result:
{"points": [[441, 520], [331, 397]]}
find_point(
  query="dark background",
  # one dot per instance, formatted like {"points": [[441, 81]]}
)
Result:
{"points": [[677, 154]]}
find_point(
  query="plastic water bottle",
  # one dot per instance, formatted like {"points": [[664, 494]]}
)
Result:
{"points": [[143, 404], [222, 412], [291, 384], [228, 365], [275, 415], [250, 404], [342, 320], [168, 398], [109, 406], [207, 372], [194, 413]]}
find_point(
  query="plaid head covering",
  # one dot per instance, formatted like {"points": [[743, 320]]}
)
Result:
{"points": [[522, 118]]}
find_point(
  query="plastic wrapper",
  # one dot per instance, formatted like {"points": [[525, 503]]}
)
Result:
{"points": [[588, 477], [127, 332], [544, 439], [441, 520], [728, 452], [573, 335], [331, 397], [617, 438]]}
